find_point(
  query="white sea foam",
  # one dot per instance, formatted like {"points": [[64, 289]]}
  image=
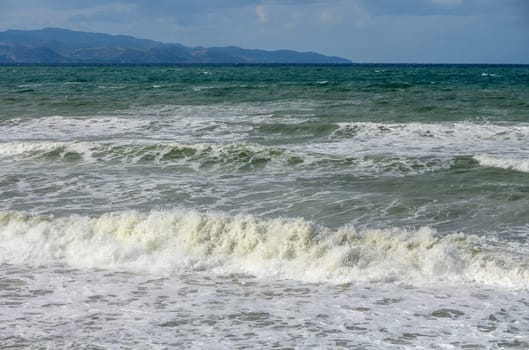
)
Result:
{"points": [[164, 241], [66, 128], [423, 139], [504, 163], [179, 123], [84, 149]]}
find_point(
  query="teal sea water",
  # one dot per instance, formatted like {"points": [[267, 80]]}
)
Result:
{"points": [[356, 206]]}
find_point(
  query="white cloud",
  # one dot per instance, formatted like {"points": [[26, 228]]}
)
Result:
{"points": [[262, 16], [328, 17], [365, 30], [21, 16]]}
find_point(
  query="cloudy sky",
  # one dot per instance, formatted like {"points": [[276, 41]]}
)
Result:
{"points": [[461, 31]]}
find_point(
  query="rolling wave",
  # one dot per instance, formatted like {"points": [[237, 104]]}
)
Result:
{"points": [[180, 241], [207, 155], [162, 152], [521, 165]]}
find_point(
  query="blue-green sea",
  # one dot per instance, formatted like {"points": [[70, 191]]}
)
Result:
{"points": [[264, 206]]}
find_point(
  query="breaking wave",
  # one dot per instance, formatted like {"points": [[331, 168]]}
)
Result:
{"points": [[503, 163], [157, 153], [211, 155], [180, 241]]}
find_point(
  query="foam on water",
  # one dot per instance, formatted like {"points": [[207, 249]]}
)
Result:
{"points": [[68, 127], [181, 123], [241, 123], [165, 241], [503, 163], [409, 139], [11, 149], [58, 308]]}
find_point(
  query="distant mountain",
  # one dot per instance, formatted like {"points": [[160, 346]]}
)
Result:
{"points": [[55, 45]]}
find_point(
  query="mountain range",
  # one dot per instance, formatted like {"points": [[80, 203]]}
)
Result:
{"points": [[56, 45]]}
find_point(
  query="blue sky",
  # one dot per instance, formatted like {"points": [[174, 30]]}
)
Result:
{"points": [[449, 31]]}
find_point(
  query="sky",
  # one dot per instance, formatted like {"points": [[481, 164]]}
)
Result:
{"points": [[398, 31]]}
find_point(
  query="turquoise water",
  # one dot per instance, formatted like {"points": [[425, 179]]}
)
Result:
{"points": [[297, 203], [397, 93]]}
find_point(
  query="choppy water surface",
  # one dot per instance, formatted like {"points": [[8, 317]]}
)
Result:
{"points": [[381, 207]]}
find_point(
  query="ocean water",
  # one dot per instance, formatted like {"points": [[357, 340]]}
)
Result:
{"points": [[221, 207]]}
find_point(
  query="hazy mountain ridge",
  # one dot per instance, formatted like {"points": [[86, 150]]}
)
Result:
{"points": [[54, 45]]}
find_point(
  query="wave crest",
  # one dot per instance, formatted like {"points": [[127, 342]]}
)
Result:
{"points": [[165, 241], [157, 153], [205, 156], [503, 163]]}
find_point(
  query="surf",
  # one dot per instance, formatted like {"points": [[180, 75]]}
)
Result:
{"points": [[178, 241]]}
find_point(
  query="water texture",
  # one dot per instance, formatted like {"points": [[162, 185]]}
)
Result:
{"points": [[357, 206]]}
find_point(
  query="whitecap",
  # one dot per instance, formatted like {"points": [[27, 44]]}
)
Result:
{"points": [[164, 241], [503, 162]]}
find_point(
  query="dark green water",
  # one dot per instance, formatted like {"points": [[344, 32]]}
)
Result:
{"points": [[361, 93]]}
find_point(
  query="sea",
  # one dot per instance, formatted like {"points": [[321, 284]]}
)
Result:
{"points": [[264, 206]]}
